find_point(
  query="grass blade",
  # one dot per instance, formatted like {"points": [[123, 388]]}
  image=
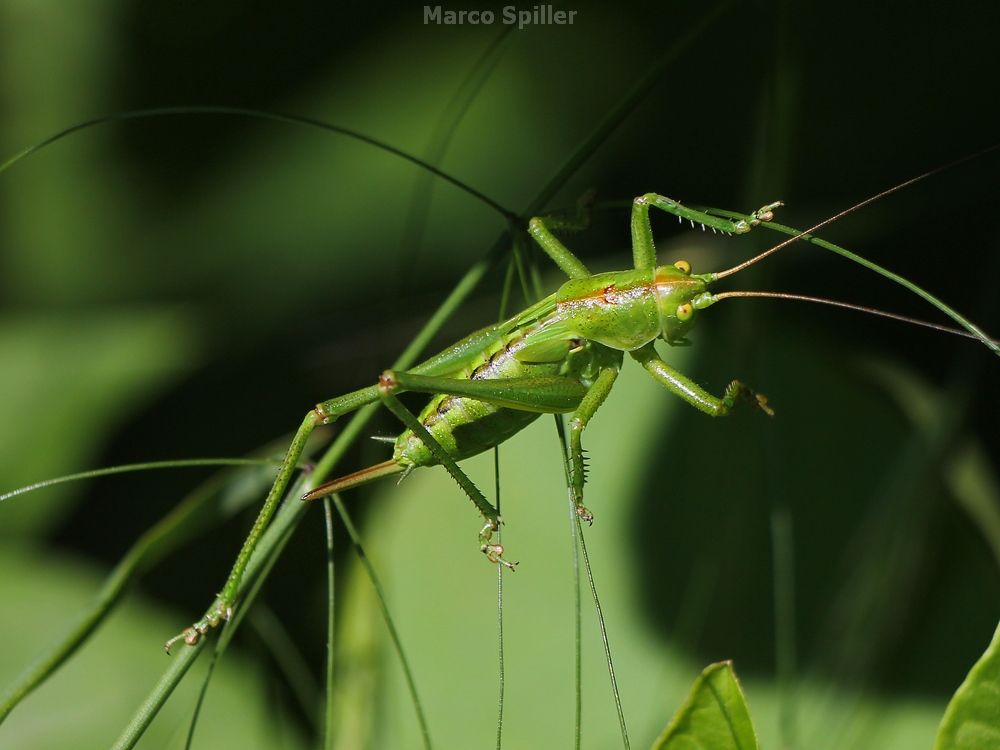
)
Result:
{"points": [[438, 144], [500, 663], [390, 624], [271, 544], [328, 705], [166, 535], [151, 706], [604, 633]]}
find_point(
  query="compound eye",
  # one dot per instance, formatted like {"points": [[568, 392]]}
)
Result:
{"points": [[685, 311], [683, 266]]}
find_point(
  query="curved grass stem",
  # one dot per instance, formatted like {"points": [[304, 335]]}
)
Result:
{"points": [[108, 471], [257, 114]]}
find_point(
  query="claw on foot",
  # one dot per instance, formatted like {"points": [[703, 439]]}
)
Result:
{"points": [[191, 636], [762, 404], [766, 213], [494, 553], [585, 515]]}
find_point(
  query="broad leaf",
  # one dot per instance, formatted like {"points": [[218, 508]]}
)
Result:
{"points": [[972, 719], [714, 717]]}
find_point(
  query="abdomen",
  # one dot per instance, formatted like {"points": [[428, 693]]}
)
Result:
{"points": [[464, 426]]}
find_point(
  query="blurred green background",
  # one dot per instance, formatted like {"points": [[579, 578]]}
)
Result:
{"points": [[189, 286]]}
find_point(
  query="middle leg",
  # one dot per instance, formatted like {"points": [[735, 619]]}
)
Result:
{"points": [[552, 394], [590, 403], [493, 551]]}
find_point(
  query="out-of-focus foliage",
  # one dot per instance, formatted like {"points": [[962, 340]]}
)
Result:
{"points": [[86, 706]]}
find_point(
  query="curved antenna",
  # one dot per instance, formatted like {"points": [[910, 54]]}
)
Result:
{"points": [[260, 114], [847, 306], [855, 207]]}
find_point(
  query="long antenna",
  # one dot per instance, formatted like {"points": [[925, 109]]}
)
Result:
{"points": [[855, 207], [847, 306]]}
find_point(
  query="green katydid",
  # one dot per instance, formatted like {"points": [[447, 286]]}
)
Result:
{"points": [[560, 355], [559, 372]]}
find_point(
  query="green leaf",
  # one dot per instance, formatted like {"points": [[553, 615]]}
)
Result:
{"points": [[714, 717], [972, 719]]}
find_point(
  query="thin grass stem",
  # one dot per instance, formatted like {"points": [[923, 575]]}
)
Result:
{"points": [[258, 114], [604, 633], [574, 530], [257, 577], [328, 700], [108, 471], [167, 534], [500, 567], [288, 657], [397, 642]]}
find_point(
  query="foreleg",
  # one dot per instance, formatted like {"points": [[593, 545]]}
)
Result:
{"points": [[643, 247]]}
